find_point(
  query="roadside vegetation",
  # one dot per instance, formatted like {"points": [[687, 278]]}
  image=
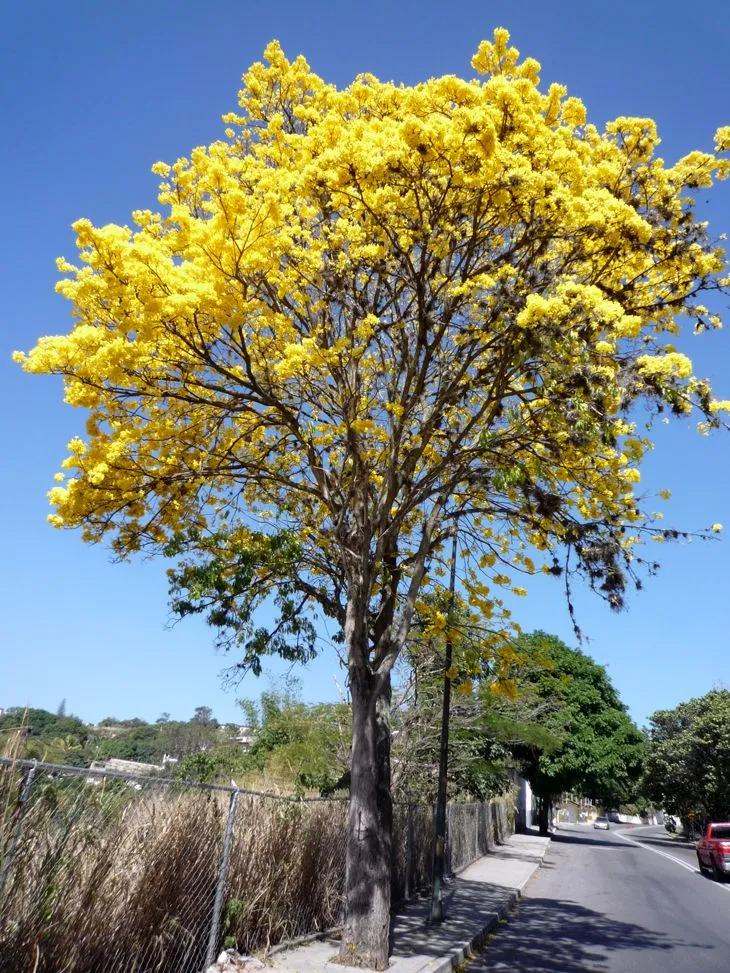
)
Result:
{"points": [[61, 738], [687, 768], [543, 711], [121, 876], [118, 877], [108, 878]]}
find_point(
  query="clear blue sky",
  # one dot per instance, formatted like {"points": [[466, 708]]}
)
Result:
{"points": [[93, 94]]}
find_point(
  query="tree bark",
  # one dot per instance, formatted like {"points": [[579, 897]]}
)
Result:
{"points": [[543, 816], [366, 935]]}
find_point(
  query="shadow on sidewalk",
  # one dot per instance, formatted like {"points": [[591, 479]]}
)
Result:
{"points": [[467, 906], [549, 936]]}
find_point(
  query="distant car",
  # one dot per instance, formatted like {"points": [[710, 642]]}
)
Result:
{"points": [[602, 823]]}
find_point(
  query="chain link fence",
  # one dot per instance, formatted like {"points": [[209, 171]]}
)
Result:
{"points": [[475, 830], [100, 871]]}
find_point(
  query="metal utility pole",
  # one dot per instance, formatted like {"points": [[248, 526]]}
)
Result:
{"points": [[439, 854]]}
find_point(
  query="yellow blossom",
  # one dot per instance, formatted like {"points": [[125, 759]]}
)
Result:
{"points": [[367, 314]]}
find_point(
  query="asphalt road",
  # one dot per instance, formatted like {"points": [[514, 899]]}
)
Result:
{"points": [[604, 904], [658, 840]]}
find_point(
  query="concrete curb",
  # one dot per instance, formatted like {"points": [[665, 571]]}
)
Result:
{"points": [[456, 958], [459, 956]]}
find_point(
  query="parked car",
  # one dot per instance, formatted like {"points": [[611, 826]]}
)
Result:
{"points": [[713, 851], [602, 823]]}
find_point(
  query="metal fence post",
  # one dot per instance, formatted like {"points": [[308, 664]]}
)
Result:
{"points": [[215, 927], [10, 854], [409, 852], [476, 831], [449, 841]]}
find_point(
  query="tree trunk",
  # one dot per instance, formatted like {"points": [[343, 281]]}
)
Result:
{"points": [[543, 816], [366, 936]]}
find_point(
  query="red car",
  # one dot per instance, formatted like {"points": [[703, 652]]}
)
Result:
{"points": [[713, 851]]}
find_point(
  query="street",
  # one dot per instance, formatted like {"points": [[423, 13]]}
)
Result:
{"points": [[605, 904]]}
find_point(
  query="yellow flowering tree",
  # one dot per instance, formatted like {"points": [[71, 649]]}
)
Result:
{"points": [[362, 317]]}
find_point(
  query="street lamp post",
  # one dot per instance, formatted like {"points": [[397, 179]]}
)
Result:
{"points": [[439, 855]]}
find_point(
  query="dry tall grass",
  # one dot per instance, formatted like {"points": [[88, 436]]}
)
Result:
{"points": [[108, 878], [105, 878]]}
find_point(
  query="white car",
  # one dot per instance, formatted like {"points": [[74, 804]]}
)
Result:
{"points": [[602, 823]]}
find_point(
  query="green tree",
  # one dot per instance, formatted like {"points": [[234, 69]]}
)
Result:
{"points": [[501, 728], [180, 739], [306, 744], [479, 754], [141, 743], [299, 745], [134, 739], [595, 747], [687, 768], [204, 716], [54, 737]]}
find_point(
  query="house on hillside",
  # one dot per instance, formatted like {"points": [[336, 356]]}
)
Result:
{"points": [[572, 809], [245, 736], [135, 768]]}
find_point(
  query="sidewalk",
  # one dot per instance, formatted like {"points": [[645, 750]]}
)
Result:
{"points": [[474, 902]]}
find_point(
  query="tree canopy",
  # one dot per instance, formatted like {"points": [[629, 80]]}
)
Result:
{"points": [[596, 749], [366, 306], [484, 717], [39, 734], [366, 315], [688, 760]]}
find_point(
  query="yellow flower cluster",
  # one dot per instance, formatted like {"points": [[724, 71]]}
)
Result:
{"points": [[364, 302]]}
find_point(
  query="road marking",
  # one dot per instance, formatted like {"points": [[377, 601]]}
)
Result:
{"points": [[679, 861]]}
